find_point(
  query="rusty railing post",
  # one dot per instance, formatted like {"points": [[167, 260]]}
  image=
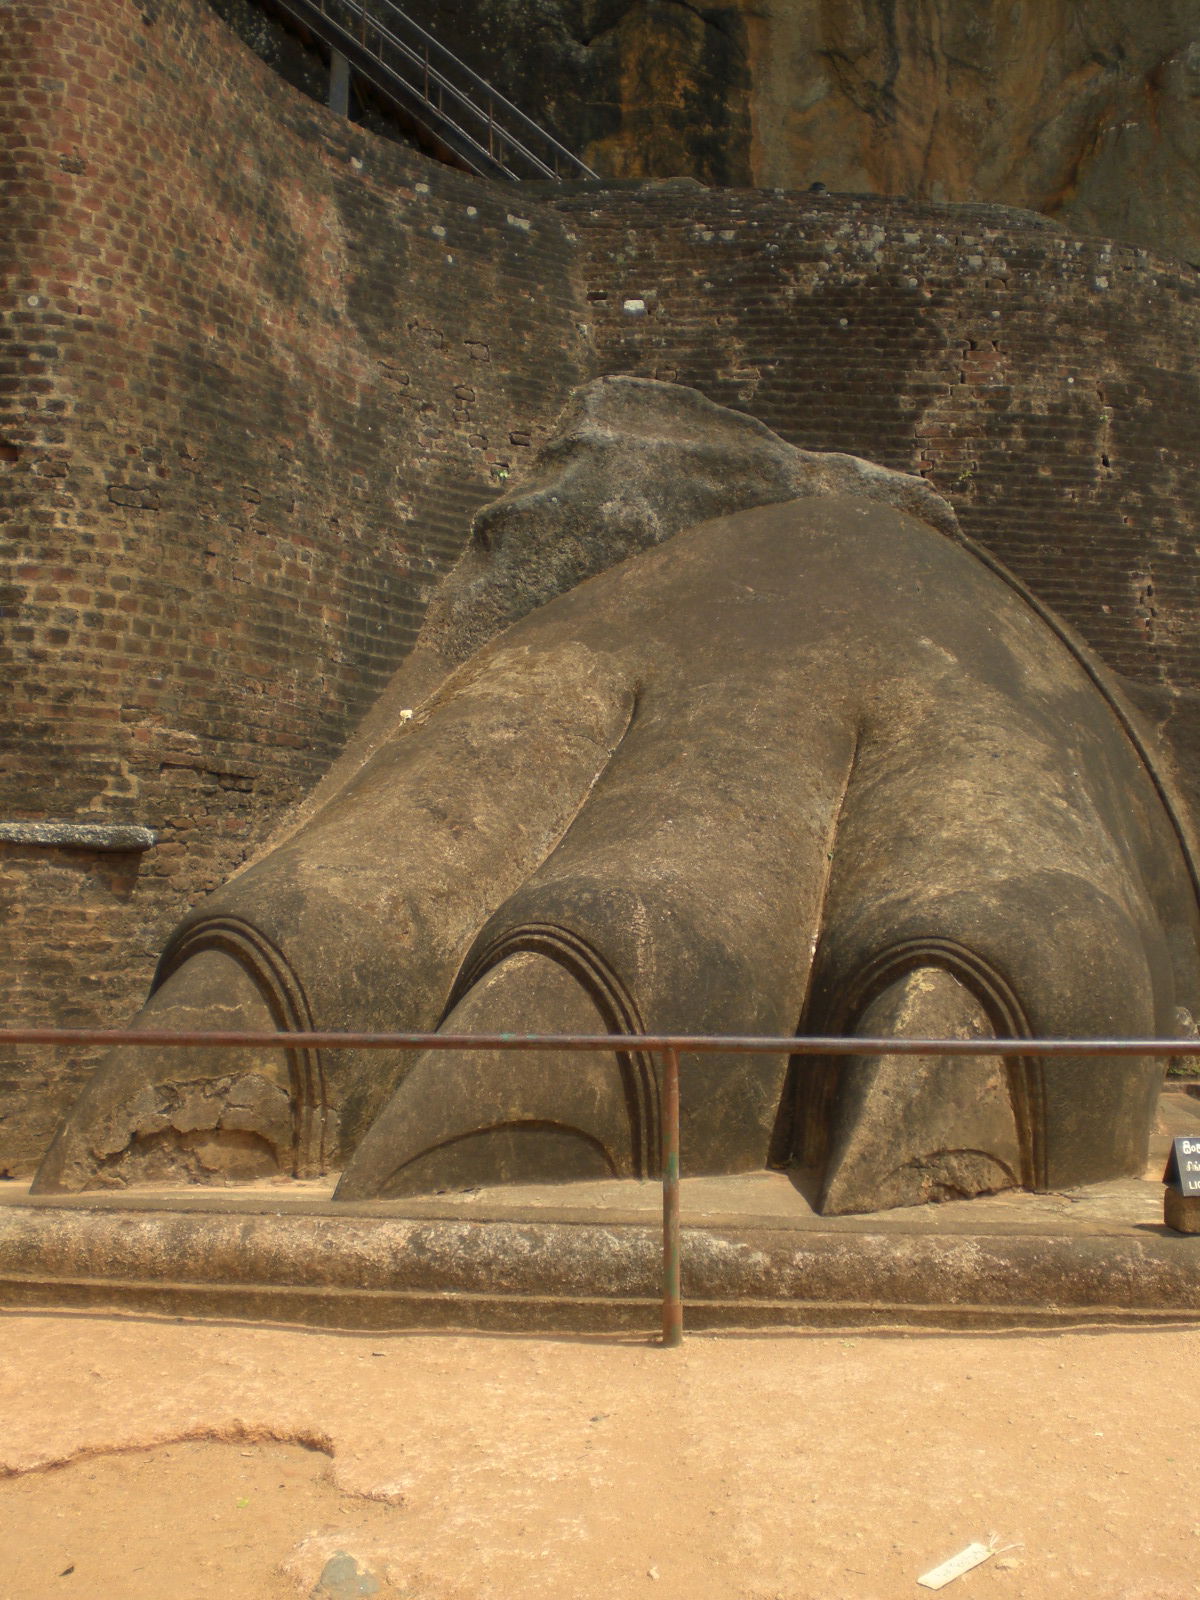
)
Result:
{"points": [[672, 1296]]}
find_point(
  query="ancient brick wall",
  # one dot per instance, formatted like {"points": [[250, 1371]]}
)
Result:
{"points": [[1048, 385], [258, 369]]}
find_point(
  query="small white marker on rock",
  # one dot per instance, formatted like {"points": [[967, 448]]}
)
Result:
{"points": [[965, 1561]]}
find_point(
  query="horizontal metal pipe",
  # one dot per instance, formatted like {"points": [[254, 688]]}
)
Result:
{"points": [[692, 1044], [670, 1045]]}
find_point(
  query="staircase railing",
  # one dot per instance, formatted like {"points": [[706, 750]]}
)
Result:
{"points": [[463, 116]]}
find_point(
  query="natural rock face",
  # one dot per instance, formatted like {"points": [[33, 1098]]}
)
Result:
{"points": [[639, 88], [1090, 114], [1084, 112], [777, 750]]}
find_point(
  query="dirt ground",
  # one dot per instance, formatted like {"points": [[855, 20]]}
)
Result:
{"points": [[176, 1460]]}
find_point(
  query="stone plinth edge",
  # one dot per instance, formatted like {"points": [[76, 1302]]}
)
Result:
{"points": [[397, 1272]]}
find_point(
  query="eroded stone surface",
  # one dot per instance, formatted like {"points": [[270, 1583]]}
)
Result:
{"points": [[217, 1118], [810, 763], [908, 1129]]}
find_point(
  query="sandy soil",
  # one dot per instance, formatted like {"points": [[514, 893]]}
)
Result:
{"points": [[159, 1459]]}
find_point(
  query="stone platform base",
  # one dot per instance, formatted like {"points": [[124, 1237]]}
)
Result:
{"points": [[586, 1258]]}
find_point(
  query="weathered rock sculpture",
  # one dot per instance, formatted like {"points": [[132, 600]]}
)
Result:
{"points": [[710, 735]]}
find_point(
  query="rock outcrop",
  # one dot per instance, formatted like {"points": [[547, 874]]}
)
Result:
{"points": [[1084, 112]]}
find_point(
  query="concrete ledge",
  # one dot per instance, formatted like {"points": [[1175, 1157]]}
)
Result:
{"points": [[304, 1261], [126, 836]]}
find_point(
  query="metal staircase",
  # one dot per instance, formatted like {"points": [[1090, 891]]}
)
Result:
{"points": [[458, 114]]}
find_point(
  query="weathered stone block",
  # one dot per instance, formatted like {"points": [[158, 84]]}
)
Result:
{"points": [[1181, 1211]]}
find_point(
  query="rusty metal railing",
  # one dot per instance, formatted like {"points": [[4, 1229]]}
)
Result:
{"points": [[668, 1046], [445, 99]]}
